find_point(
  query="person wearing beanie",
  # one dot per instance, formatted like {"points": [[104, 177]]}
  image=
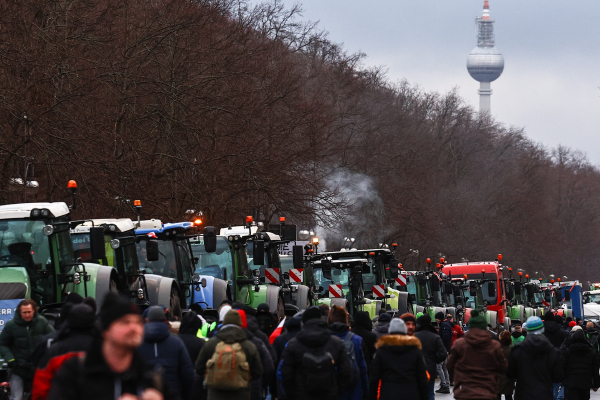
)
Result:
{"points": [[189, 333], [556, 334], [411, 323], [111, 367], [398, 369], [266, 321], [291, 327], [362, 326], [476, 360], [338, 320], [535, 364], [591, 333], [383, 325], [74, 337], [581, 364], [315, 342], [433, 349], [445, 332], [231, 332]]}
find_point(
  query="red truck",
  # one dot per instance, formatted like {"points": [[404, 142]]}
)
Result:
{"points": [[493, 290]]}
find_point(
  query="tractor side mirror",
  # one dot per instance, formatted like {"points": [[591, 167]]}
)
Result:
{"points": [[567, 295], [210, 239], [435, 284], [288, 232], [366, 269], [473, 289], [394, 271], [297, 252], [518, 288], [510, 294], [97, 243], [258, 249], [448, 288], [152, 253]]}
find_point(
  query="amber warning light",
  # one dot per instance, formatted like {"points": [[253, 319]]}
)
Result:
{"points": [[137, 203], [72, 184], [249, 219]]}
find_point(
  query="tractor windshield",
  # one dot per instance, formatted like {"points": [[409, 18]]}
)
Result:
{"points": [[338, 277], [594, 298], [218, 264], [166, 265]]}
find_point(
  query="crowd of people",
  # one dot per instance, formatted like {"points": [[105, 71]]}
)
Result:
{"points": [[118, 352]]}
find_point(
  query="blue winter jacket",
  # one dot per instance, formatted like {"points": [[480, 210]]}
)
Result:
{"points": [[168, 351], [361, 390]]}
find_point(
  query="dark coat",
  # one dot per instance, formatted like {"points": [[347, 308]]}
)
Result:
{"points": [[19, 339], [363, 327], [383, 325], [291, 326], [592, 337], [580, 363], [230, 334], [68, 343], [505, 385], [266, 322], [476, 360], [432, 348], [361, 390], [446, 334], [314, 335], [252, 325], [188, 333], [256, 382], [161, 348], [90, 378], [535, 365], [398, 367], [555, 333]]}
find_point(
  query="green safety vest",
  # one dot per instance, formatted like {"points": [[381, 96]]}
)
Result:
{"points": [[203, 332]]}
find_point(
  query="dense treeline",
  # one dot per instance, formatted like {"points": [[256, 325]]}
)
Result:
{"points": [[215, 106]]}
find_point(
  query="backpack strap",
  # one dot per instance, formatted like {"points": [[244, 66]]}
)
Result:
{"points": [[349, 337]]}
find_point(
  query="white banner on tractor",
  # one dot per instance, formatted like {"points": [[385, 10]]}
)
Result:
{"points": [[272, 275], [335, 291], [401, 280], [296, 275], [379, 290]]}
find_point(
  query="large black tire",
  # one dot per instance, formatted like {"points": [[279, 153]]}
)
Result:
{"points": [[174, 306]]}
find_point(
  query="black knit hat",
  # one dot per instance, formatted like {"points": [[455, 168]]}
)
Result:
{"points": [[311, 313], [439, 315], [115, 307]]}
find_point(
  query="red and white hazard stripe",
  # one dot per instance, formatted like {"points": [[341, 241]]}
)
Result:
{"points": [[272, 275], [335, 291], [379, 290], [401, 280], [297, 275]]}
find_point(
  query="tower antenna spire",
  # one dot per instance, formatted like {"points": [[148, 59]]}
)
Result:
{"points": [[485, 63]]}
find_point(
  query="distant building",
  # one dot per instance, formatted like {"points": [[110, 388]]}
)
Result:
{"points": [[485, 63]]}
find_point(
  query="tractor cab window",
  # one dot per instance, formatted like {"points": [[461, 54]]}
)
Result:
{"points": [[185, 260], [166, 265], [338, 277], [218, 264]]}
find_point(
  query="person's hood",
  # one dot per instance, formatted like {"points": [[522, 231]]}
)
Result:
{"points": [[426, 327], [382, 327], [314, 333], [516, 334], [578, 343], [551, 327], [398, 343], [252, 323], [232, 334], [338, 328], [293, 324], [249, 334], [592, 331], [478, 337], [385, 317], [537, 345], [362, 320], [156, 332], [190, 324]]}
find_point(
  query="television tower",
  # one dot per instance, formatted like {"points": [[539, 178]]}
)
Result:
{"points": [[485, 63]]}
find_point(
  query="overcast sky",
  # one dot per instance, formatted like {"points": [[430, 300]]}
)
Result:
{"points": [[551, 48]]}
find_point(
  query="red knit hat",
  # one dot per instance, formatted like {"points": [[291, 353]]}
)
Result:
{"points": [[572, 324]]}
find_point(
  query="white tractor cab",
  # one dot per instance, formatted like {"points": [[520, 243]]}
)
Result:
{"points": [[37, 259], [119, 251], [591, 306], [168, 263]]}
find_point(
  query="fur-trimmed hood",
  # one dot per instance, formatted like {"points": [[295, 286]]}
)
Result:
{"points": [[398, 341]]}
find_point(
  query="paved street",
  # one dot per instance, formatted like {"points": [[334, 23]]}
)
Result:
{"points": [[594, 395]]}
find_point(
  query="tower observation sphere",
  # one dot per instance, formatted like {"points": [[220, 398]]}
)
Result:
{"points": [[485, 63]]}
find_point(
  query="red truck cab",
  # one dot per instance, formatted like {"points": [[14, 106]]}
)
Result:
{"points": [[493, 273]]}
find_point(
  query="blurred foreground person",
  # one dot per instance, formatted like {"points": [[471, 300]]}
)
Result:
{"points": [[580, 363], [111, 369]]}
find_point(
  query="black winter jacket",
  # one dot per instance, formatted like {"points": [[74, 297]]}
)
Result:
{"points": [[188, 333], [266, 322], [398, 369], [446, 334], [292, 326], [432, 348], [555, 333], [592, 337], [580, 362], [383, 325], [256, 383], [362, 326], [314, 336], [161, 348], [535, 365], [91, 378]]}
